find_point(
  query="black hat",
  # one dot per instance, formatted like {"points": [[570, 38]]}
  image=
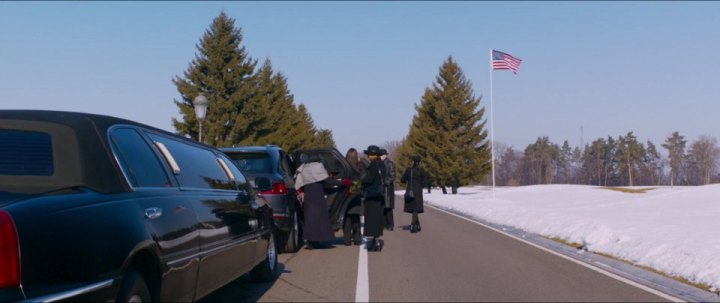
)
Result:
{"points": [[383, 151], [416, 158], [372, 150]]}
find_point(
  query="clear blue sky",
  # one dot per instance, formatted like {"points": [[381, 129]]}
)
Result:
{"points": [[360, 67]]}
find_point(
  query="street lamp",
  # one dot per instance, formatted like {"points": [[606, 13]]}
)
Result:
{"points": [[200, 104]]}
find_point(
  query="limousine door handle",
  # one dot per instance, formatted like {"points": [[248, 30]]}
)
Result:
{"points": [[153, 213]]}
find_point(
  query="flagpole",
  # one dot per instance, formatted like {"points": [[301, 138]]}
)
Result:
{"points": [[492, 127]]}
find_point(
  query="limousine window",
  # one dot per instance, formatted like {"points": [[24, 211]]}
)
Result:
{"points": [[137, 159], [198, 167], [26, 153], [240, 180]]}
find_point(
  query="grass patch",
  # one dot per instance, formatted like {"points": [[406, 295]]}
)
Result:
{"points": [[573, 244], [630, 190], [703, 286]]}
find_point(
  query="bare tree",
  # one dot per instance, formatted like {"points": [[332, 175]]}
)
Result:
{"points": [[392, 147], [704, 155]]}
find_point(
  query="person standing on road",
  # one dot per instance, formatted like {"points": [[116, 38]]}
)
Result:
{"points": [[389, 190], [414, 176], [351, 223], [311, 179], [374, 198]]}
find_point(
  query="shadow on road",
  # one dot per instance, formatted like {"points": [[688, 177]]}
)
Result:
{"points": [[243, 289]]}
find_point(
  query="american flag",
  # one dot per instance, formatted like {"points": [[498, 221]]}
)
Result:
{"points": [[502, 60]]}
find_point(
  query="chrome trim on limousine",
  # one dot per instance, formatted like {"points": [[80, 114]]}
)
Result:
{"points": [[72, 293]]}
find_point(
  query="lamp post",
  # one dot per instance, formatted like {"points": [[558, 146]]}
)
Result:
{"points": [[200, 104]]}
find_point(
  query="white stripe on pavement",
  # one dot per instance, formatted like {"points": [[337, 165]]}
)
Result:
{"points": [[607, 273], [362, 288]]}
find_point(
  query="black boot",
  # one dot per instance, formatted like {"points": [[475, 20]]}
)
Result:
{"points": [[378, 245], [413, 228], [418, 227]]}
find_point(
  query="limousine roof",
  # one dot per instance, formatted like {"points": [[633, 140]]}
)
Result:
{"points": [[81, 153]]}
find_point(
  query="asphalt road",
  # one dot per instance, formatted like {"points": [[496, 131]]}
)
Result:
{"points": [[450, 260]]}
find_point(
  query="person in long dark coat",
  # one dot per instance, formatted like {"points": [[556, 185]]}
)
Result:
{"points": [[415, 178], [389, 190], [311, 179], [351, 223], [374, 198]]}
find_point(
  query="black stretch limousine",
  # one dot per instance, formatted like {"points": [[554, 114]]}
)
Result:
{"points": [[96, 208]]}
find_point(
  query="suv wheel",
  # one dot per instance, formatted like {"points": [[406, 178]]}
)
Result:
{"points": [[290, 241]]}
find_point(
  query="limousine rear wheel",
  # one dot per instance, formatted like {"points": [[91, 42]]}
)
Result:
{"points": [[133, 288], [267, 269]]}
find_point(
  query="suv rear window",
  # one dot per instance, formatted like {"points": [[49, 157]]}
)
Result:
{"points": [[26, 153], [252, 163]]}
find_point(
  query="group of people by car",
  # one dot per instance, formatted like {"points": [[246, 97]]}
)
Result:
{"points": [[373, 176]]}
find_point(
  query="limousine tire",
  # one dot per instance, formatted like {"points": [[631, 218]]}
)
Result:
{"points": [[133, 288], [267, 269]]}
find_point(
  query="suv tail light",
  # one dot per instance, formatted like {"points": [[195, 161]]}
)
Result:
{"points": [[278, 188], [9, 252]]}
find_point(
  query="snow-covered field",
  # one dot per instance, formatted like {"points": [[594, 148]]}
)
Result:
{"points": [[673, 230]]}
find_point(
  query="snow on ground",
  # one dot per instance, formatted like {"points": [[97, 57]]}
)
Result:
{"points": [[673, 230]]}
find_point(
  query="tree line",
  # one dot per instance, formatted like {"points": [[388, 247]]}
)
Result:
{"points": [[251, 105], [449, 132], [248, 105], [621, 161]]}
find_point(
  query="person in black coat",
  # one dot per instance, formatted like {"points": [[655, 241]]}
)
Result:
{"points": [[415, 178], [374, 198], [312, 179], [389, 190]]}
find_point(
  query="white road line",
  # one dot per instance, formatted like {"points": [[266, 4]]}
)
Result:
{"points": [[607, 273], [362, 288]]}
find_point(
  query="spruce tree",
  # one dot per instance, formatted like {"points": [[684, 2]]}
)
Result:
{"points": [[223, 72], [304, 134], [448, 131], [325, 139]]}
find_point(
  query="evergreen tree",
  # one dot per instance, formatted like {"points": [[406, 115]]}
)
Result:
{"points": [[305, 130], [325, 138], [675, 144], [610, 163], [653, 164], [542, 159], [565, 163], [223, 72], [594, 164], [630, 153], [284, 125], [576, 164], [448, 131]]}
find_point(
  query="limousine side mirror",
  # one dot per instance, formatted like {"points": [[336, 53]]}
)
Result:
{"points": [[263, 184]]}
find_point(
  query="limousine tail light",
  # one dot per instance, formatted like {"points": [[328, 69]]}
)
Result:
{"points": [[9, 252], [278, 188]]}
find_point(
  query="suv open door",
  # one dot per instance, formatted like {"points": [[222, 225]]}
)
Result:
{"points": [[337, 167]]}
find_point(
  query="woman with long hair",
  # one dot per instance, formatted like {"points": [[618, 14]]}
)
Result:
{"points": [[351, 223]]}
